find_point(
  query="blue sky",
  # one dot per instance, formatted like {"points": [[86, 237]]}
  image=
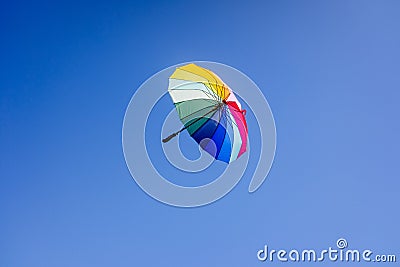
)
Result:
{"points": [[329, 70]]}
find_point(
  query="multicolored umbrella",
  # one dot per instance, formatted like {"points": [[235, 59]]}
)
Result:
{"points": [[209, 111]]}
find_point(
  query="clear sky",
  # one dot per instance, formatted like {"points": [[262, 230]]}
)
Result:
{"points": [[330, 72]]}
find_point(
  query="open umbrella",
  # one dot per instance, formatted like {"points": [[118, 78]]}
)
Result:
{"points": [[209, 111]]}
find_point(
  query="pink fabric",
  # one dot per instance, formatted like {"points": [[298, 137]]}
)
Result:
{"points": [[240, 120]]}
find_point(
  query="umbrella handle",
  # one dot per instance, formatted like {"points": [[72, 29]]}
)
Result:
{"points": [[170, 137]]}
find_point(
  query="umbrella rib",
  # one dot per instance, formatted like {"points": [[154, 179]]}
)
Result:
{"points": [[198, 76], [212, 93], [229, 117], [208, 100], [216, 156], [216, 94], [186, 126], [216, 83], [207, 93], [215, 80], [198, 111], [219, 118]]}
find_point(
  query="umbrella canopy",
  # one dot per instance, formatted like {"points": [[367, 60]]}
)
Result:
{"points": [[209, 111]]}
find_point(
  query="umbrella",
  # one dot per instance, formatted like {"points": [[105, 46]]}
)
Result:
{"points": [[209, 111]]}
